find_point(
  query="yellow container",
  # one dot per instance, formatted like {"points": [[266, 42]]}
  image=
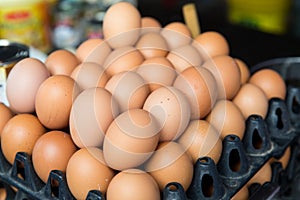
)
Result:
{"points": [[265, 15], [27, 22]]}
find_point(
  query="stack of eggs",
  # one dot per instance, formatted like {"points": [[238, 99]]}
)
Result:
{"points": [[129, 113]]}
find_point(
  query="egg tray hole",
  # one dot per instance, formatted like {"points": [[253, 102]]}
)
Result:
{"points": [[280, 130]]}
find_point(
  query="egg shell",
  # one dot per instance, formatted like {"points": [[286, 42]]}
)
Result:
{"points": [[130, 139], [200, 87], [150, 24], [227, 75], [6, 113], [170, 163], [123, 59], [270, 82], [263, 175], [201, 139], [284, 159], [121, 24], [184, 57], [54, 100], [251, 100], [129, 89], [171, 109], [242, 194], [213, 43], [20, 134], [152, 45], [157, 72], [93, 50], [52, 151], [227, 118], [133, 184], [61, 61], [89, 75], [176, 34], [244, 69], [87, 170], [23, 82], [92, 112]]}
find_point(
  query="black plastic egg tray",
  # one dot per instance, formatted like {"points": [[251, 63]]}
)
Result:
{"points": [[240, 159]]}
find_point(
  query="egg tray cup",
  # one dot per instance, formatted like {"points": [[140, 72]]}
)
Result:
{"points": [[239, 162]]}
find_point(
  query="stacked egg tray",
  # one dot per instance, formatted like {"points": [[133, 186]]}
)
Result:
{"points": [[274, 134]]}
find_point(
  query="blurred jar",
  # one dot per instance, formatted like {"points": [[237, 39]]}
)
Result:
{"points": [[264, 15], [26, 22]]}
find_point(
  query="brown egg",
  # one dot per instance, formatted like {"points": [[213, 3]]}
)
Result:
{"points": [[62, 62], [170, 163], [92, 112], [213, 44], [270, 82], [133, 184], [201, 139], [3, 194], [130, 139], [23, 82], [5, 114], [129, 89], [171, 109], [284, 159], [227, 118], [150, 24], [54, 100], [93, 50], [242, 194], [263, 175], [89, 75], [52, 151], [251, 100], [20, 135], [200, 87], [227, 75], [152, 45], [176, 34], [244, 69], [157, 72], [121, 24], [123, 59], [87, 167], [184, 57]]}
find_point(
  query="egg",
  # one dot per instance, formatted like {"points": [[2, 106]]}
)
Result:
{"points": [[6, 114], [61, 61], [130, 139], [201, 139], [170, 163], [184, 57], [251, 100], [52, 151], [157, 72], [86, 170], [171, 109], [242, 194], [227, 118], [89, 75], [93, 50], [212, 44], [150, 24], [271, 82], [152, 45], [133, 184], [244, 69], [20, 134], [123, 59], [284, 159], [227, 75], [200, 88], [121, 25], [54, 100], [263, 175], [176, 34], [92, 112], [23, 82], [129, 89]]}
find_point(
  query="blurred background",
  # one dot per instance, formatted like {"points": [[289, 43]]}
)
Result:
{"points": [[256, 30]]}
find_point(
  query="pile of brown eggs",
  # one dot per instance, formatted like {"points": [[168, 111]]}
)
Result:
{"points": [[129, 113]]}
